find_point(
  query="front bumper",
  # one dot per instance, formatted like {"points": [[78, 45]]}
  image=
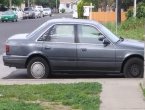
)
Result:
{"points": [[14, 61]]}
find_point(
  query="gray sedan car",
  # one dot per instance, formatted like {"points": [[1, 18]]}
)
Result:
{"points": [[73, 46]]}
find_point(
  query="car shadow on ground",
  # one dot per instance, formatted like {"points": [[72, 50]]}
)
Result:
{"points": [[22, 74]]}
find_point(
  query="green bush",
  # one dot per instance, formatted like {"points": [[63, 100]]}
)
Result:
{"points": [[62, 10], [132, 23], [131, 28], [80, 9], [140, 11], [129, 13]]}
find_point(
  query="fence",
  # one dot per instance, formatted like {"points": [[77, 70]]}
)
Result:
{"points": [[106, 16]]}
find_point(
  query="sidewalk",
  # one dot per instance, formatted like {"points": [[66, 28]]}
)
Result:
{"points": [[122, 95]]}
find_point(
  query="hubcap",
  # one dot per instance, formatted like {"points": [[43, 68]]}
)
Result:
{"points": [[38, 70], [134, 69]]}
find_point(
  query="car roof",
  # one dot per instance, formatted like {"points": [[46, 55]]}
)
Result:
{"points": [[62, 21], [70, 20]]}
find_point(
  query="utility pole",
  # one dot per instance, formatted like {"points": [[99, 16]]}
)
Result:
{"points": [[28, 3], [116, 16], [10, 4], [118, 13], [134, 10], [56, 6]]}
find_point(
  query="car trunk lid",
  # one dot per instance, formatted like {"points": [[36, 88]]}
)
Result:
{"points": [[18, 36]]}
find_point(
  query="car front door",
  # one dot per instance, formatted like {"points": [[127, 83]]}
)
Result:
{"points": [[60, 47], [92, 54]]}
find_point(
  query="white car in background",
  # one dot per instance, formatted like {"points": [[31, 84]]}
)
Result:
{"points": [[19, 12], [40, 8], [47, 12], [37, 13]]}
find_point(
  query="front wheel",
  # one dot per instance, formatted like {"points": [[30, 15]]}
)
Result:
{"points": [[134, 68], [38, 68]]}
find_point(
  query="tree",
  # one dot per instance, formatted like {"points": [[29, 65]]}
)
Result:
{"points": [[14, 2], [17, 2]]}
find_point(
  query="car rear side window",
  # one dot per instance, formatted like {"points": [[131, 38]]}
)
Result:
{"points": [[88, 34], [61, 33]]}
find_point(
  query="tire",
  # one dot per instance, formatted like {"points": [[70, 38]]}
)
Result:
{"points": [[34, 72], [133, 68], [14, 20]]}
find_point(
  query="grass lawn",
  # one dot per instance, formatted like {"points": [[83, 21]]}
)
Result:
{"points": [[82, 96], [132, 28]]}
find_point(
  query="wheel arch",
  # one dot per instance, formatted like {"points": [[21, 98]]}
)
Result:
{"points": [[129, 57], [36, 55]]}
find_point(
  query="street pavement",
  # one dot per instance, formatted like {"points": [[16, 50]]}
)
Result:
{"points": [[118, 93]]}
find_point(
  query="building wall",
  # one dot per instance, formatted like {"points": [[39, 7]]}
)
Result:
{"points": [[67, 5], [64, 6]]}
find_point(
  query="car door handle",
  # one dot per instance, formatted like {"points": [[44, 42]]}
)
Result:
{"points": [[84, 49]]}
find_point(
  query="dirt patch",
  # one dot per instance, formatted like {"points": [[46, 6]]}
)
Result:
{"points": [[51, 105]]}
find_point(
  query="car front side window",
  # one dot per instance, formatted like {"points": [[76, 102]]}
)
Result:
{"points": [[88, 34]]}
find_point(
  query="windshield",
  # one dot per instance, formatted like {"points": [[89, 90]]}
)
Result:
{"points": [[108, 33]]}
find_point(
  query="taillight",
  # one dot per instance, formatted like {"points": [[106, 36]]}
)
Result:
{"points": [[7, 48]]}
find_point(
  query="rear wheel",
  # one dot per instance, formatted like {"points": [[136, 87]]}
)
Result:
{"points": [[38, 68], [14, 20], [133, 68]]}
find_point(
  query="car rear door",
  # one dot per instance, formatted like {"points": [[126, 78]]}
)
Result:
{"points": [[92, 54], [60, 47]]}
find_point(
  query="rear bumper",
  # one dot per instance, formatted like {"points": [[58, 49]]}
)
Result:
{"points": [[14, 61]]}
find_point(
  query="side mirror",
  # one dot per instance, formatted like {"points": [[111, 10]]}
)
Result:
{"points": [[101, 38], [106, 42]]}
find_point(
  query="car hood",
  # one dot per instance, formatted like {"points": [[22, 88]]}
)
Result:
{"points": [[18, 36], [132, 44]]}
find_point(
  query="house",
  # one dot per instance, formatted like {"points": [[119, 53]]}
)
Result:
{"points": [[67, 5]]}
